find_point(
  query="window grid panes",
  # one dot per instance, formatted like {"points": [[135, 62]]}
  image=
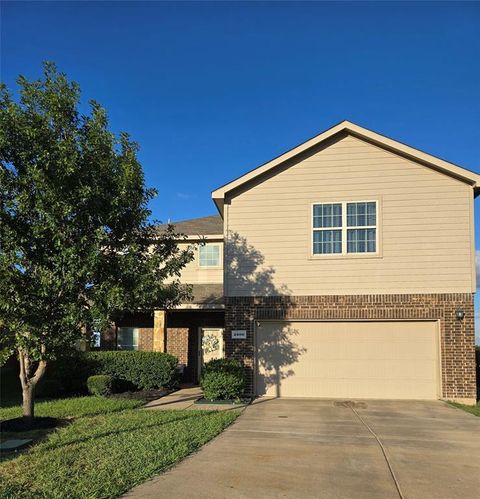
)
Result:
{"points": [[209, 255], [327, 241], [361, 214], [327, 215], [342, 228], [327, 225], [361, 241]]}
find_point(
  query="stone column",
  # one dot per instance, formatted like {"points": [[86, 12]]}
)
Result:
{"points": [[159, 325]]}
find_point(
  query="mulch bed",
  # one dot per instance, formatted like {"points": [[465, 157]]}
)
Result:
{"points": [[38, 423], [144, 395], [202, 401]]}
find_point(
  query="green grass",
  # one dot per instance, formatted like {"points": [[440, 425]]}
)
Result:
{"points": [[472, 409], [73, 407], [106, 454]]}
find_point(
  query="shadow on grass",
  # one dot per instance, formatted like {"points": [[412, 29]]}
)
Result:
{"points": [[41, 436], [131, 429], [174, 401]]}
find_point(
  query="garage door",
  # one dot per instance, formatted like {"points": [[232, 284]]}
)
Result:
{"points": [[383, 360]]}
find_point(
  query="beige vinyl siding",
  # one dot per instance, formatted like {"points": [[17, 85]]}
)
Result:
{"points": [[425, 227], [194, 274]]}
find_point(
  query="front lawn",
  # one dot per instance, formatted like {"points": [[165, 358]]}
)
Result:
{"points": [[472, 409], [73, 407], [105, 451]]}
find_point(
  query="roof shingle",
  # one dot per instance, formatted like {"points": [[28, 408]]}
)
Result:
{"points": [[198, 226]]}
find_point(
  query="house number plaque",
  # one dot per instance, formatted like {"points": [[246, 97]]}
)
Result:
{"points": [[239, 334]]}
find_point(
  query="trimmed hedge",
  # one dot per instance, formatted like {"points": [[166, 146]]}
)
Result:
{"points": [[223, 379], [129, 369], [100, 384], [143, 370], [72, 372]]}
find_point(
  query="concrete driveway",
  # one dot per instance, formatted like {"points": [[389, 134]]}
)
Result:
{"points": [[318, 448]]}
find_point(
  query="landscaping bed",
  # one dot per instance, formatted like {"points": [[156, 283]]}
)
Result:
{"points": [[106, 449], [240, 402], [142, 395]]}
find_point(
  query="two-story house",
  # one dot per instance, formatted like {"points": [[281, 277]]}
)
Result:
{"points": [[349, 271], [201, 321]]}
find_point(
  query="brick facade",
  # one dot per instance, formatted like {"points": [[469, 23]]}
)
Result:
{"points": [[145, 339], [181, 334], [177, 343], [457, 337]]}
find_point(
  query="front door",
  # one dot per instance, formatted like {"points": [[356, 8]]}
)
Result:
{"points": [[211, 345]]}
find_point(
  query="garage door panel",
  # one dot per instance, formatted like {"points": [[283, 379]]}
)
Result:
{"points": [[348, 359]]}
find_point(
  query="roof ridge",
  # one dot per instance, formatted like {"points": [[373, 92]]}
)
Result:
{"points": [[363, 133]]}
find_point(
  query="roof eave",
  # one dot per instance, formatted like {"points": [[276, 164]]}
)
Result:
{"points": [[219, 202], [394, 146]]}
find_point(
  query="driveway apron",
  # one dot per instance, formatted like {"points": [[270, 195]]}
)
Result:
{"points": [[328, 449]]}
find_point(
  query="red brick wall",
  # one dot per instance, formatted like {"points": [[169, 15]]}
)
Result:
{"points": [[177, 343], [457, 336], [145, 339]]}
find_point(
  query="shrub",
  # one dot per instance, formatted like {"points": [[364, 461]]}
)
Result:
{"points": [[223, 379], [72, 372], [131, 370], [100, 384], [142, 370]]}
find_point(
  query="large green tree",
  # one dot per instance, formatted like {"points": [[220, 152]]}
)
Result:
{"points": [[76, 246]]}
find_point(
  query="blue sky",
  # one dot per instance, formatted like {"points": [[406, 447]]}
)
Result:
{"points": [[210, 90]]}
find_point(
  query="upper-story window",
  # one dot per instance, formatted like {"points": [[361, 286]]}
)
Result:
{"points": [[345, 228], [209, 255], [327, 228]]}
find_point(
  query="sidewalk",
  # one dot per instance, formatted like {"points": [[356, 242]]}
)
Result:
{"points": [[185, 399]]}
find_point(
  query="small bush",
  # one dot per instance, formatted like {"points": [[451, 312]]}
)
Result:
{"points": [[100, 384], [142, 370], [223, 379], [72, 372]]}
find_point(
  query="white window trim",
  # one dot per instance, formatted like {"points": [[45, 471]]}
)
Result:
{"points": [[219, 266], [344, 229]]}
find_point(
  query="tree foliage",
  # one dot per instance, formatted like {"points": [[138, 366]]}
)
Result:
{"points": [[77, 248]]}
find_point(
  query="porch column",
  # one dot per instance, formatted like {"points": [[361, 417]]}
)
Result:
{"points": [[159, 331]]}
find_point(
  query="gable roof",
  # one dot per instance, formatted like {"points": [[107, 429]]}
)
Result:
{"points": [[349, 128], [203, 226]]}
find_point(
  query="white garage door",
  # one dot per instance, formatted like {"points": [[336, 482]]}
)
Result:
{"points": [[383, 360]]}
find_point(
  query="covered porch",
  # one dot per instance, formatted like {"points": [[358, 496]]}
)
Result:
{"points": [[192, 332]]}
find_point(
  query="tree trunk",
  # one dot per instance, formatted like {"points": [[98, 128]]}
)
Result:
{"points": [[29, 383], [28, 395]]}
